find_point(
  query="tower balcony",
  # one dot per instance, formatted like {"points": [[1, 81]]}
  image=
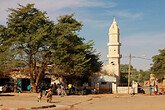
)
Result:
{"points": [[114, 44], [114, 56]]}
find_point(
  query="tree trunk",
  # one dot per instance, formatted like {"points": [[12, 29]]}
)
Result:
{"points": [[33, 73], [15, 85], [34, 88]]}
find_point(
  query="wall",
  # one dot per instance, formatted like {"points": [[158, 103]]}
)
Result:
{"points": [[113, 88], [123, 89]]}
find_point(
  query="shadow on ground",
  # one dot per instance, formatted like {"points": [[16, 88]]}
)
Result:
{"points": [[6, 95]]}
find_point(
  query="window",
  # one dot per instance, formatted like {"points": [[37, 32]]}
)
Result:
{"points": [[103, 82]]}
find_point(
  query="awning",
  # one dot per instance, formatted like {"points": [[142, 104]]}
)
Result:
{"points": [[105, 78]]}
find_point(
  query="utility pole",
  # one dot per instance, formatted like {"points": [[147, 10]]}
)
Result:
{"points": [[129, 71]]}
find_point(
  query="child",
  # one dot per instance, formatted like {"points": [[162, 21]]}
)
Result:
{"points": [[150, 89], [49, 95], [155, 88], [39, 96]]}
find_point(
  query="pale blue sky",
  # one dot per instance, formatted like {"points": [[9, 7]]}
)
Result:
{"points": [[141, 23]]}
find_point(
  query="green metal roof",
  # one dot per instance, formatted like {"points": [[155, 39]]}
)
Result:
{"points": [[105, 78]]}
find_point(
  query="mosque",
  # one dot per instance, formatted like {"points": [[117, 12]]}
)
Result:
{"points": [[109, 78], [110, 73]]}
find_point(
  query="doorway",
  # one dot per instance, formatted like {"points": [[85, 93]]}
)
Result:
{"points": [[25, 84]]}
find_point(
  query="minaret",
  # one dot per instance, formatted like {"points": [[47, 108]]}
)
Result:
{"points": [[114, 49]]}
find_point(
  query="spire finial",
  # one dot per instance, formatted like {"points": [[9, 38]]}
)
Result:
{"points": [[114, 19]]}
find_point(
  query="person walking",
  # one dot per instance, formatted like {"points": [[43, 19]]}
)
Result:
{"points": [[131, 91], [155, 89], [70, 87], [62, 90], [133, 87], [49, 95], [39, 96], [150, 90]]}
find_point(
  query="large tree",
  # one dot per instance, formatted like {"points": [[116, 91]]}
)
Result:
{"points": [[158, 66], [34, 39], [28, 35], [73, 58]]}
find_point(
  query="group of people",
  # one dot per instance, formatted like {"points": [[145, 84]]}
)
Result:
{"points": [[48, 95], [63, 90], [155, 89], [48, 91], [151, 89]]}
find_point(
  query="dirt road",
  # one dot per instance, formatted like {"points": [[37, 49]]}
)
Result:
{"points": [[86, 102]]}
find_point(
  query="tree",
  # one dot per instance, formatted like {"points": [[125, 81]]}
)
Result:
{"points": [[143, 76], [139, 76], [158, 66], [7, 59], [35, 41], [125, 67], [28, 35], [73, 58]]}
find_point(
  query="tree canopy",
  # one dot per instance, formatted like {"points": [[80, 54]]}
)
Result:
{"points": [[125, 67], [72, 57], [158, 66], [34, 40], [139, 76]]}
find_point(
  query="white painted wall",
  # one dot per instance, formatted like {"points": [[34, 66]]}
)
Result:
{"points": [[123, 89]]}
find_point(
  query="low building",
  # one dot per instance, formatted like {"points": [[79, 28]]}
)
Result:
{"points": [[105, 83], [18, 79]]}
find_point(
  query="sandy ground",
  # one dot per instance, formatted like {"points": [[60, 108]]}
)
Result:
{"points": [[85, 102]]}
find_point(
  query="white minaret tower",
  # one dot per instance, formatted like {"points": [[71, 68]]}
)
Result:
{"points": [[114, 49]]}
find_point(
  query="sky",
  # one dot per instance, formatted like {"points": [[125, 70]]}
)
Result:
{"points": [[141, 24]]}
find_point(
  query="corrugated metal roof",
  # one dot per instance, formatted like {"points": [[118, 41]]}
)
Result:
{"points": [[105, 78]]}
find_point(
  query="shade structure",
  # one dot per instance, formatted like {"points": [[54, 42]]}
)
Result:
{"points": [[105, 78]]}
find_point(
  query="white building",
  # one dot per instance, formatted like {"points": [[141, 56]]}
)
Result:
{"points": [[108, 82], [114, 50]]}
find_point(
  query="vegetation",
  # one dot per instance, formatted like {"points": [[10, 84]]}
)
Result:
{"points": [[73, 58], [143, 76], [158, 66], [35, 41], [139, 76]]}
